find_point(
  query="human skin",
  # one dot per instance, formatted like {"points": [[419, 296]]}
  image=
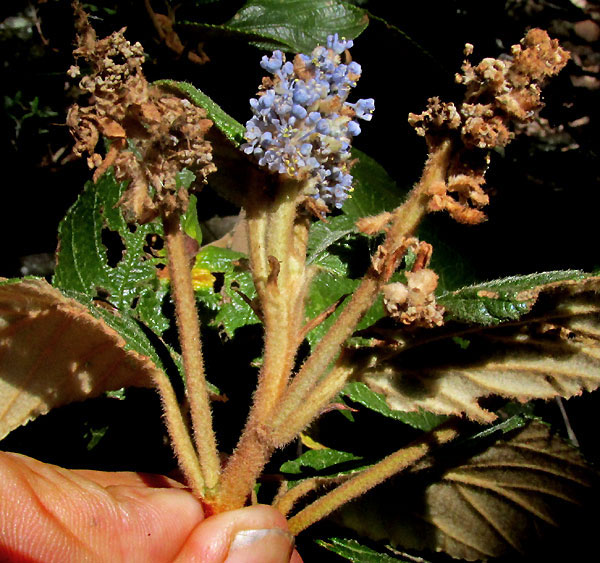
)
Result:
{"points": [[49, 514]]}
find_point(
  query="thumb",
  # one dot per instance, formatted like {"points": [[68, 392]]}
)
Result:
{"points": [[50, 514], [54, 515], [255, 534]]}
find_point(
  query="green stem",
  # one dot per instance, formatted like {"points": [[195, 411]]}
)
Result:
{"points": [[188, 326], [405, 221], [370, 477]]}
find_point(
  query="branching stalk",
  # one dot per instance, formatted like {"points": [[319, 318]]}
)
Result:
{"points": [[320, 397], [189, 336], [276, 239], [371, 477], [405, 221]]}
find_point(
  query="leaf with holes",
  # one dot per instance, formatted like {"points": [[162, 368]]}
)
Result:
{"points": [[501, 501], [54, 350], [552, 351], [230, 302], [125, 273]]}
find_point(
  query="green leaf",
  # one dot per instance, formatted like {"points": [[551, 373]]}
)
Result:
{"points": [[374, 189], [217, 259], [501, 300], [325, 290], [232, 311], [190, 223], [318, 460], [360, 393], [323, 234], [506, 500], [184, 179], [292, 25], [232, 129], [235, 312], [83, 260], [93, 436], [357, 552], [130, 284]]}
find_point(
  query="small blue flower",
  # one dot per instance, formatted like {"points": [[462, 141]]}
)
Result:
{"points": [[353, 128], [302, 124], [338, 46], [365, 108], [298, 111], [274, 63], [322, 126], [305, 149]]}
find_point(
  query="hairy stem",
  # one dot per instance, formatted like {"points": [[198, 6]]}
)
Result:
{"points": [[277, 254], [405, 221], [320, 397], [370, 477], [285, 501], [180, 438], [188, 326]]}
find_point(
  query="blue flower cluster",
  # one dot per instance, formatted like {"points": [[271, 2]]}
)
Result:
{"points": [[303, 126]]}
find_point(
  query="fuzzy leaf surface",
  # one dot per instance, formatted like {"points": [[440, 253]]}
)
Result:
{"points": [[131, 284], [54, 350], [501, 300], [322, 236], [291, 25], [356, 552], [552, 351], [500, 501]]}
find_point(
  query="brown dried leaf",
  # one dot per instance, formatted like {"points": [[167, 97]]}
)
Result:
{"points": [[53, 351], [552, 351], [499, 502]]}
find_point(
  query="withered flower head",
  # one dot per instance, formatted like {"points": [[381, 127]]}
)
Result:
{"points": [[414, 303], [500, 94], [152, 135]]}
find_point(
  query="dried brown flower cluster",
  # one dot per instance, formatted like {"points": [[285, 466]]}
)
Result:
{"points": [[152, 136], [499, 94], [414, 303]]}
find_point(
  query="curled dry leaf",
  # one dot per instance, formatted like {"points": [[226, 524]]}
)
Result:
{"points": [[500, 501], [53, 351], [553, 351]]}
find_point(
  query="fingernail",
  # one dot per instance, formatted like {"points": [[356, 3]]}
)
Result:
{"points": [[272, 545]]}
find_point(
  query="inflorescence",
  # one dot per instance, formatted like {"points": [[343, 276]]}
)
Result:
{"points": [[303, 126]]}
